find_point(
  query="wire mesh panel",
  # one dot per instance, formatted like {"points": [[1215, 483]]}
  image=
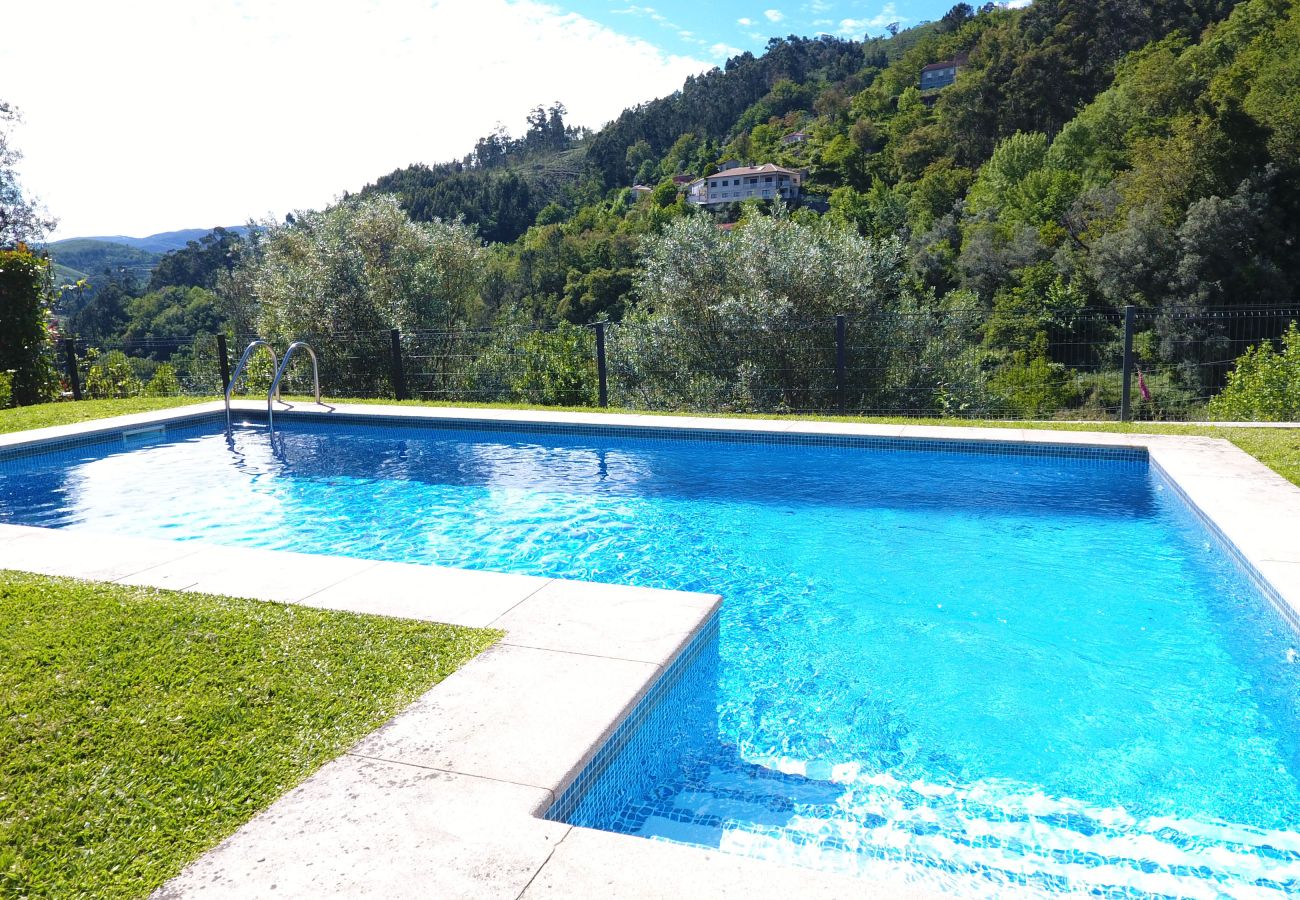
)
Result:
{"points": [[790, 368], [157, 367], [959, 363], [536, 366]]}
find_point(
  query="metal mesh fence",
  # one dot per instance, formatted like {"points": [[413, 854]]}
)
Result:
{"points": [[964, 363]]}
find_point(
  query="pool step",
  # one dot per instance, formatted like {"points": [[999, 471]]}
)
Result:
{"points": [[988, 835]]}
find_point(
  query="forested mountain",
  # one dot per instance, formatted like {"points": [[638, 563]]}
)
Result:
{"points": [[1089, 155], [162, 242]]}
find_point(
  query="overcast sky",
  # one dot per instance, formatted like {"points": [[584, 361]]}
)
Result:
{"points": [[144, 116]]}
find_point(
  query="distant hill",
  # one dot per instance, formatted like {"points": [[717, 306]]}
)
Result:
{"points": [[90, 257], [163, 242]]}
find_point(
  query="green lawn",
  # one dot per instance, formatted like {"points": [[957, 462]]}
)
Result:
{"points": [[46, 414], [1277, 448], [139, 727]]}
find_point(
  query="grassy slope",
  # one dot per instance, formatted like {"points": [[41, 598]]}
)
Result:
{"points": [[140, 727], [1277, 448]]}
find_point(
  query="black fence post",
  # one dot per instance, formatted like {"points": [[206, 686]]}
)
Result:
{"points": [[70, 359], [600, 364], [1124, 412], [841, 387], [223, 363], [399, 373]]}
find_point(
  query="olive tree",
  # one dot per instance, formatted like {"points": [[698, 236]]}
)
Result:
{"points": [[360, 265], [345, 275], [745, 319]]}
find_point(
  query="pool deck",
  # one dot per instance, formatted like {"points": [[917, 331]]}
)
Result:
{"points": [[445, 799]]}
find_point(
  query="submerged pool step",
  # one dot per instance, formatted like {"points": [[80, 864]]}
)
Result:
{"points": [[998, 836]]}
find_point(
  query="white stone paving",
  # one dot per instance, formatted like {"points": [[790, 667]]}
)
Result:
{"points": [[443, 800]]}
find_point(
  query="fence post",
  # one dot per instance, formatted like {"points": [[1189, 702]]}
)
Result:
{"points": [[1124, 412], [399, 373], [223, 363], [840, 386], [600, 364], [70, 360]]}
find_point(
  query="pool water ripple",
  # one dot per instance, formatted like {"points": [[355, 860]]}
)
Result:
{"points": [[981, 670]]}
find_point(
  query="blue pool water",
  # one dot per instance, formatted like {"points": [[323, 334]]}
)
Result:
{"points": [[971, 670]]}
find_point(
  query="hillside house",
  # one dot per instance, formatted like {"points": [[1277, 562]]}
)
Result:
{"points": [[739, 183], [941, 74], [795, 137]]}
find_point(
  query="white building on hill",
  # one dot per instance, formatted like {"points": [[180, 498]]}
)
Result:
{"points": [[738, 183]]}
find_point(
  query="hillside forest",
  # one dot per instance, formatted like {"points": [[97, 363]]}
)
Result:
{"points": [[982, 239]]}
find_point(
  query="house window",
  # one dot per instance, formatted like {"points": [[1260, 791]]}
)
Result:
{"points": [[768, 179]]}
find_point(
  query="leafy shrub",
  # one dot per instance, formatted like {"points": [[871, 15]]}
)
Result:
{"points": [[24, 332], [553, 368], [1264, 386], [164, 382], [110, 376], [1030, 385]]}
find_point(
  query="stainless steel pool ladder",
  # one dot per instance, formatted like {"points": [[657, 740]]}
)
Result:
{"points": [[243, 364], [274, 392]]}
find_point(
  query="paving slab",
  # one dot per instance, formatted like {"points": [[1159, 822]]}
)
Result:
{"points": [[593, 865], [245, 572], [964, 433], [515, 714], [642, 624], [74, 553], [848, 429], [365, 828], [431, 593]]}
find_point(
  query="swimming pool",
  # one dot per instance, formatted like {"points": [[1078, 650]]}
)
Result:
{"points": [[1103, 701]]}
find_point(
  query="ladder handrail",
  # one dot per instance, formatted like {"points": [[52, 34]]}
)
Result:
{"points": [[239, 370], [274, 392]]}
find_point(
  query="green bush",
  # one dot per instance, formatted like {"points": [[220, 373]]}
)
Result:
{"points": [[109, 376], [164, 382], [1030, 385], [1264, 386], [551, 368], [24, 331]]}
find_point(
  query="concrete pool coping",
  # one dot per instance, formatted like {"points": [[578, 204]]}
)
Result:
{"points": [[446, 798]]}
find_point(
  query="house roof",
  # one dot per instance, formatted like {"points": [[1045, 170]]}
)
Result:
{"points": [[765, 169], [955, 62]]}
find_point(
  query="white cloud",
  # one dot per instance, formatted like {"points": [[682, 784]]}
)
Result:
{"points": [[165, 115], [1017, 4], [724, 51], [746, 22], [887, 16], [774, 15]]}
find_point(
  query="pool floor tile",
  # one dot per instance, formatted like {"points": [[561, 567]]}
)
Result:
{"points": [[364, 828], [593, 865]]}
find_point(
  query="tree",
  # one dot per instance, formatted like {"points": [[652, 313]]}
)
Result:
{"points": [[22, 220], [359, 266], [24, 334]]}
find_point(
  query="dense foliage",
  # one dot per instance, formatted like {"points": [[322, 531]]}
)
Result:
{"points": [[24, 332], [1091, 155], [1265, 384]]}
